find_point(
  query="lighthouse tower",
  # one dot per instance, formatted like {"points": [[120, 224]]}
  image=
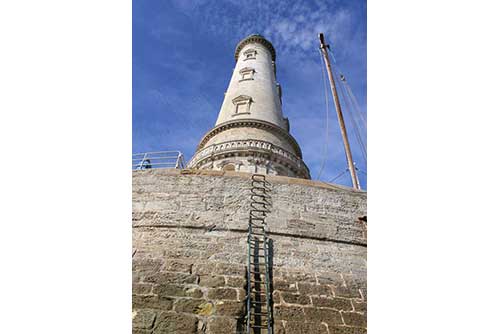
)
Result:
{"points": [[251, 134]]}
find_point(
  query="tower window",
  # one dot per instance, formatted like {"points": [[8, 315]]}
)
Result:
{"points": [[247, 73], [241, 108], [250, 54], [242, 105]]}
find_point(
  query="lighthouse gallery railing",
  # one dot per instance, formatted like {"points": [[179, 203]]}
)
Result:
{"points": [[160, 159]]}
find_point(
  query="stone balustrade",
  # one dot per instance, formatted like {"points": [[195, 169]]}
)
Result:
{"points": [[236, 145]]}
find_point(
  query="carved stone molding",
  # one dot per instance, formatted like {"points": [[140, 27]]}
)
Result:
{"points": [[244, 147], [242, 99], [252, 124], [255, 39]]}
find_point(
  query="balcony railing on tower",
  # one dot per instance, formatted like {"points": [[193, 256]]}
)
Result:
{"points": [[160, 159]]}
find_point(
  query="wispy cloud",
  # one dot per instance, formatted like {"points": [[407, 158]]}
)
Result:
{"points": [[291, 26]]}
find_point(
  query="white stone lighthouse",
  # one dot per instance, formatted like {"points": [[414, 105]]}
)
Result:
{"points": [[251, 134]]}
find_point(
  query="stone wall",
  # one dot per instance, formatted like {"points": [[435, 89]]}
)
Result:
{"points": [[189, 253]]}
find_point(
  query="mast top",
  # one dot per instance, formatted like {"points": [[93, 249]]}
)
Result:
{"points": [[322, 41]]}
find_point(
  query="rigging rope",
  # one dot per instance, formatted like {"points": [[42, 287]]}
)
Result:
{"points": [[355, 102], [349, 102], [336, 177], [354, 124], [325, 147], [348, 97], [351, 95]]}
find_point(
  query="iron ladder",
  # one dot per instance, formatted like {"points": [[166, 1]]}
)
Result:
{"points": [[259, 319]]}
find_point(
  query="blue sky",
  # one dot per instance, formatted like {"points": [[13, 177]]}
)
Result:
{"points": [[183, 60]]}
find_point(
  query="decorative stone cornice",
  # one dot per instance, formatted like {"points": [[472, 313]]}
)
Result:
{"points": [[247, 69], [251, 123], [242, 98], [237, 147], [255, 39]]}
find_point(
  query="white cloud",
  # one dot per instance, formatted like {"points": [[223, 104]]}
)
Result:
{"points": [[291, 26]]}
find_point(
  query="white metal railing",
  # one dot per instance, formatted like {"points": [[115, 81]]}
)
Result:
{"points": [[161, 159]]}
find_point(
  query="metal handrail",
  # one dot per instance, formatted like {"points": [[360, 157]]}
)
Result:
{"points": [[158, 159]]}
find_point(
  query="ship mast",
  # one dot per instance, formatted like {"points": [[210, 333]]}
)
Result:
{"points": [[352, 169]]}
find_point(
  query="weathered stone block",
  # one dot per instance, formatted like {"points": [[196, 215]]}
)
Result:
{"points": [[347, 292], [298, 276], [178, 323], [279, 327], [346, 330], [229, 256], [357, 280], [282, 285], [354, 319], [242, 294], [137, 276], [279, 273], [236, 281], [329, 316], [206, 309], [151, 301], [141, 331], [289, 313], [212, 281], [177, 290], [193, 292], [291, 298], [195, 306], [359, 306], [143, 318], [171, 277], [141, 288], [336, 303], [276, 297], [221, 325], [222, 293], [364, 293], [331, 278], [186, 253], [230, 269], [145, 264], [229, 308], [300, 327], [315, 289], [203, 268], [179, 266]]}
